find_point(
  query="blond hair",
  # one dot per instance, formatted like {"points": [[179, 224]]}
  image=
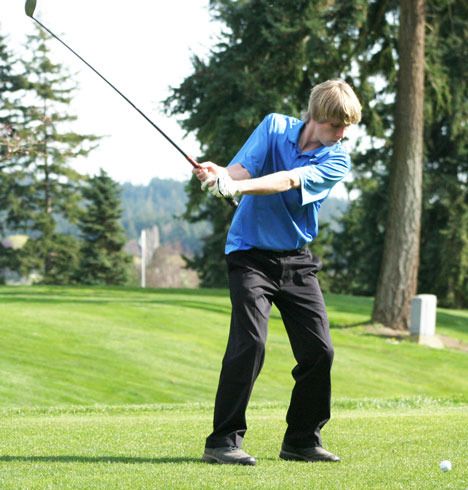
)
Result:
{"points": [[333, 100]]}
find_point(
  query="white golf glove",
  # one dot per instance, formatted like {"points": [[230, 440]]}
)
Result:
{"points": [[206, 184], [224, 186]]}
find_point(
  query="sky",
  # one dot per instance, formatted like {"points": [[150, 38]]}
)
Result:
{"points": [[143, 47]]}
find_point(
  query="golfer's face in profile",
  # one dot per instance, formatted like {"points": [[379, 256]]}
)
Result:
{"points": [[331, 132]]}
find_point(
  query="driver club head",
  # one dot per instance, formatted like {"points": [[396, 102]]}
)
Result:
{"points": [[29, 7]]}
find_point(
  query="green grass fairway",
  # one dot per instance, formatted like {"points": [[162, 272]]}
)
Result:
{"points": [[82, 346], [160, 448], [105, 388]]}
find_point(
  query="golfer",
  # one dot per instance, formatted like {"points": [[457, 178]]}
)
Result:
{"points": [[284, 172]]}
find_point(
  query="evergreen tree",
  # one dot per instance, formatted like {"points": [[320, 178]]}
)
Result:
{"points": [[102, 259], [42, 185], [444, 248], [11, 84], [356, 249], [268, 59]]}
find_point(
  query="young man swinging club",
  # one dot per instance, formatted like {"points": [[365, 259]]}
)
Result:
{"points": [[284, 172]]}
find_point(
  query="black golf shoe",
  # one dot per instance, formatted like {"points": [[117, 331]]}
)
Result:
{"points": [[308, 454], [228, 455]]}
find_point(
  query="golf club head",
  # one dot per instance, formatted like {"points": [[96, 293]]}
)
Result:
{"points": [[30, 7]]}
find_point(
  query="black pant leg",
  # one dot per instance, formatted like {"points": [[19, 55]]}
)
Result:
{"points": [[251, 292], [302, 308]]}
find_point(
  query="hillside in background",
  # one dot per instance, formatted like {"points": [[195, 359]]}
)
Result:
{"points": [[162, 202], [332, 210]]}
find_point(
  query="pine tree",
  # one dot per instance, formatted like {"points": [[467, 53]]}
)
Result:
{"points": [[42, 183], [444, 242], [103, 260], [11, 84], [268, 59]]}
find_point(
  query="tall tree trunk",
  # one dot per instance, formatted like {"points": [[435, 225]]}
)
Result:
{"points": [[399, 271]]}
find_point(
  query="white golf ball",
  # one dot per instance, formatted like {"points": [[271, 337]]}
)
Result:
{"points": [[445, 465]]}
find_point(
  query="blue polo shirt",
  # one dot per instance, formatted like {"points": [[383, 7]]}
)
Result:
{"points": [[286, 220]]}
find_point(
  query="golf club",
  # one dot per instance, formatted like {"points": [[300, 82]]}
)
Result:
{"points": [[30, 7]]}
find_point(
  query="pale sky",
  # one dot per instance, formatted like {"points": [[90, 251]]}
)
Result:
{"points": [[143, 47]]}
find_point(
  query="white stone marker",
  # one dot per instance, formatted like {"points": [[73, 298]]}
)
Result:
{"points": [[423, 319]]}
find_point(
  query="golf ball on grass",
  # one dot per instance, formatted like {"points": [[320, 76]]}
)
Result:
{"points": [[445, 465]]}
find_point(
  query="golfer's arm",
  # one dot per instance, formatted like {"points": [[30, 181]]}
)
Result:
{"points": [[268, 184], [238, 172]]}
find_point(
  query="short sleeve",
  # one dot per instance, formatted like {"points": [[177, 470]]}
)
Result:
{"points": [[253, 154], [317, 180]]}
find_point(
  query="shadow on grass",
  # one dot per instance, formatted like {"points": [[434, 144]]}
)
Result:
{"points": [[199, 299], [195, 299], [92, 300], [96, 459], [83, 291], [341, 326], [457, 323]]}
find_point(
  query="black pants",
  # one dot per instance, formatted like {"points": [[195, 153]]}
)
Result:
{"points": [[258, 278]]}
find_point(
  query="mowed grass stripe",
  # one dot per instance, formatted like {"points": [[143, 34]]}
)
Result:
{"points": [[162, 449], [85, 346]]}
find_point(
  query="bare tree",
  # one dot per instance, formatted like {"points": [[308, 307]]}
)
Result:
{"points": [[399, 271], [168, 269]]}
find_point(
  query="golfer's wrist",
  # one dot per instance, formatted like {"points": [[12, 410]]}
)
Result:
{"points": [[228, 187], [239, 187]]}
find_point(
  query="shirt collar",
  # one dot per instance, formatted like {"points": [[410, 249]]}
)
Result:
{"points": [[294, 131], [293, 136]]}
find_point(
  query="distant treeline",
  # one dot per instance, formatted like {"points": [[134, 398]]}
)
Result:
{"points": [[162, 203]]}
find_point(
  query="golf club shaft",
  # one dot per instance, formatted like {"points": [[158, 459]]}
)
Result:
{"points": [[189, 159], [194, 164]]}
